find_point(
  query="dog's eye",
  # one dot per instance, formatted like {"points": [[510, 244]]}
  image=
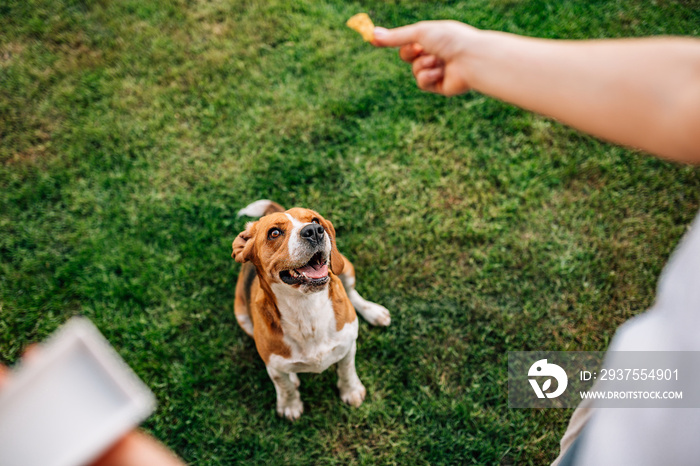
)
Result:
{"points": [[315, 220], [274, 233]]}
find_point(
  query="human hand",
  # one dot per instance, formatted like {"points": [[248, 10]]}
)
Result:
{"points": [[136, 448], [438, 52], [4, 374], [27, 356]]}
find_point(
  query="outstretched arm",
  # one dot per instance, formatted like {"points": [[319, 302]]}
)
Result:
{"points": [[643, 93]]}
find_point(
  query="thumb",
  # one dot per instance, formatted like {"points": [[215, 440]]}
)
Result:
{"points": [[398, 36]]}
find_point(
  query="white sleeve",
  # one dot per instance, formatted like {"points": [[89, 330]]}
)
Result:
{"points": [[655, 436]]}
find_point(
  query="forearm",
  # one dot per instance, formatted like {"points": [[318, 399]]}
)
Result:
{"points": [[643, 93]]}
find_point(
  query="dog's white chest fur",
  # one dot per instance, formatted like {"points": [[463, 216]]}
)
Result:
{"points": [[309, 327]]}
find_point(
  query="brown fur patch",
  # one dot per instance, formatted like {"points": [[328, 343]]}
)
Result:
{"points": [[342, 308], [241, 304], [267, 327], [348, 268]]}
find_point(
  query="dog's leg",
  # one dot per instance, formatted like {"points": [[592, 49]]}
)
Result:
{"points": [[289, 403], [351, 389], [374, 313]]}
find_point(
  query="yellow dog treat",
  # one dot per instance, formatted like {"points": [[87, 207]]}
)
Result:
{"points": [[362, 24]]}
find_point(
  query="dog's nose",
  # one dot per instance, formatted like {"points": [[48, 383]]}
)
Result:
{"points": [[313, 233]]}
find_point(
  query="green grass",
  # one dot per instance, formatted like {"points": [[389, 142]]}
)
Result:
{"points": [[131, 133]]}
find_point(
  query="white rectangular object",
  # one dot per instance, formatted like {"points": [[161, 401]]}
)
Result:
{"points": [[71, 402]]}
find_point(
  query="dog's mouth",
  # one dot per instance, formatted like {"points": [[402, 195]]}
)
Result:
{"points": [[314, 272]]}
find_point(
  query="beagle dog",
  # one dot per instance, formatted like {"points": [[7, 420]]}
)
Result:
{"points": [[296, 297]]}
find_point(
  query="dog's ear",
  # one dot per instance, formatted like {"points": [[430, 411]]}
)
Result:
{"points": [[337, 261], [244, 244]]}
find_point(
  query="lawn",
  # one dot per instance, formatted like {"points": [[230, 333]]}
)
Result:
{"points": [[131, 132]]}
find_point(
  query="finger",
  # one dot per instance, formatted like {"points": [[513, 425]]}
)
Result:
{"points": [[398, 36], [4, 375], [30, 352], [430, 79], [424, 62], [410, 52], [137, 448]]}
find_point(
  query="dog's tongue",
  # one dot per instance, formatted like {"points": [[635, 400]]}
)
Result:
{"points": [[317, 271]]}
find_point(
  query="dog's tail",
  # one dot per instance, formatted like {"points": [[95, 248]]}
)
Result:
{"points": [[261, 208]]}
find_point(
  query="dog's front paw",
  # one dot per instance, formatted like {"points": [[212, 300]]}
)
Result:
{"points": [[290, 409], [353, 395], [376, 314]]}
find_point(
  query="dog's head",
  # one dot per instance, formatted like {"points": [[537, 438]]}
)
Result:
{"points": [[296, 247]]}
